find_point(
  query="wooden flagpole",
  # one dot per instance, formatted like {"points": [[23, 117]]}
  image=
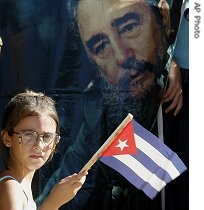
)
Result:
{"points": [[107, 143]]}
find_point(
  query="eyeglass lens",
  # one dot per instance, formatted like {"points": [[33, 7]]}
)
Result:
{"points": [[31, 137]]}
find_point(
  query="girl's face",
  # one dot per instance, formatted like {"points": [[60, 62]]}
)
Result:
{"points": [[31, 156]]}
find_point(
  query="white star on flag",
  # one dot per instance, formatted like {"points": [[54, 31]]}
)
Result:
{"points": [[122, 144]]}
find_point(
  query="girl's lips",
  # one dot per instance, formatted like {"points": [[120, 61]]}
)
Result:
{"points": [[36, 156]]}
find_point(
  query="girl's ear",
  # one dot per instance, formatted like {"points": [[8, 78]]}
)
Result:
{"points": [[165, 11], [6, 138]]}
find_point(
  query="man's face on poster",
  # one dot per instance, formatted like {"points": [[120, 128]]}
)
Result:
{"points": [[128, 42], [124, 39]]}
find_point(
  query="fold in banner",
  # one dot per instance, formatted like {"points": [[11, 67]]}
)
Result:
{"points": [[143, 159]]}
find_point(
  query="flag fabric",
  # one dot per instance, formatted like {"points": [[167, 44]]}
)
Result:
{"points": [[143, 159]]}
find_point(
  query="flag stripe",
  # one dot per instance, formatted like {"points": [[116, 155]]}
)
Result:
{"points": [[131, 176], [155, 149], [152, 166], [142, 172], [158, 158]]}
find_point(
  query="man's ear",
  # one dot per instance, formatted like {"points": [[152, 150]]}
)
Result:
{"points": [[6, 138], [165, 11]]}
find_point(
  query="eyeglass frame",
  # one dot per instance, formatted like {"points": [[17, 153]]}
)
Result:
{"points": [[20, 136]]}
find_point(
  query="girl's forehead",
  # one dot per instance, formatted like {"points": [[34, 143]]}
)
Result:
{"points": [[39, 121]]}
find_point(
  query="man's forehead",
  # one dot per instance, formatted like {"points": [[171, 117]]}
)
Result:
{"points": [[103, 12], [85, 5], [93, 7]]}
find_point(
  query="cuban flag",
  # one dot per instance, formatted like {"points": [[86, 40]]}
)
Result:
{"points": [[143, 159]]}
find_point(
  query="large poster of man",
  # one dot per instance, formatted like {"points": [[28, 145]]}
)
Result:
{"points": [[100, 60]]}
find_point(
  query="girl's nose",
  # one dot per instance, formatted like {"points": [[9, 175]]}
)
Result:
{"points": [[40, 142]]}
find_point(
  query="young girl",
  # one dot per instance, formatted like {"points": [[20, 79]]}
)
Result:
{"points": [[29, 136]]}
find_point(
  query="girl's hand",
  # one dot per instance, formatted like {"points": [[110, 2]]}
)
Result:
{"points": [[64, 191]]}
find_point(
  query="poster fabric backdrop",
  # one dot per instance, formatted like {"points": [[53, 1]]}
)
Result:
{"points": [[100, 60]]}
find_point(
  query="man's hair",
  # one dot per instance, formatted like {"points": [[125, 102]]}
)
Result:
{"points": [[72, 7]]}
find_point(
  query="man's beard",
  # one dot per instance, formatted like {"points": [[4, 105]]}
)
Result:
{"points": [[119, 102], [144, 109]]}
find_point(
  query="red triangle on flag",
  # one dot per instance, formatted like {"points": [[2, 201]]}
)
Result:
{"points": [[124, 143]]}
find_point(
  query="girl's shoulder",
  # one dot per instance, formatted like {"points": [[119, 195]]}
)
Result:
{"points": [[6, 177], [10, 184], [13, 196]]}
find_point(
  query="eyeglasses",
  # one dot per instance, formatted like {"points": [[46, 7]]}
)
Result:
{"points": [[31, 137]]}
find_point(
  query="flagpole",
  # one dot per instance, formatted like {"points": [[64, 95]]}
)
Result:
{"points": [[161, 136], [107, 143]]}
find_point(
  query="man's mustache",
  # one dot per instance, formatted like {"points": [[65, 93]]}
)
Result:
{"points": [[139, 66]]}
